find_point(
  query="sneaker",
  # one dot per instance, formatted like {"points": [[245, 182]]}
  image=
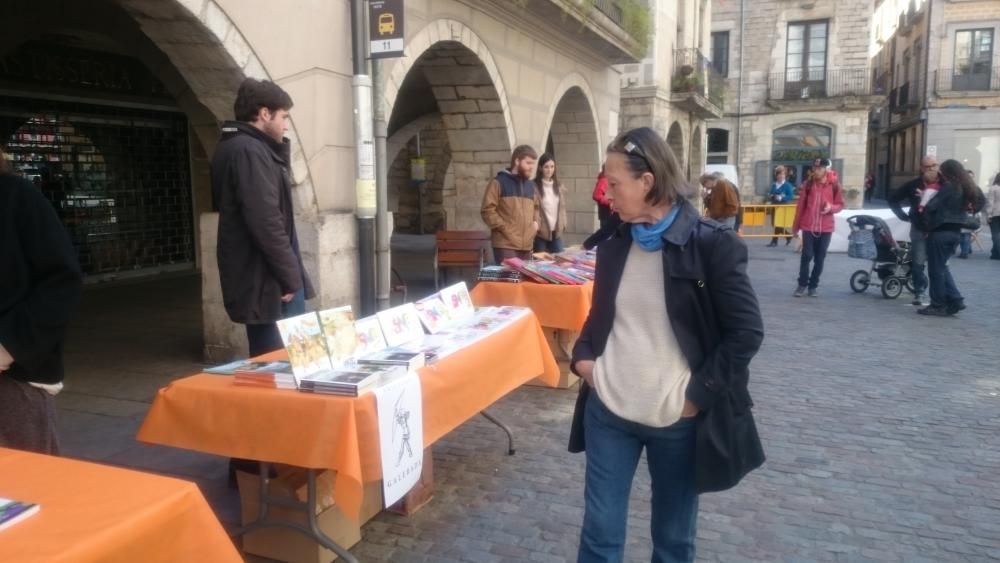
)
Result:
{"points": [[813, 292], [933, 311], [963, 256], [918, 301], [772, 243], [955, 307], [800, 291]]}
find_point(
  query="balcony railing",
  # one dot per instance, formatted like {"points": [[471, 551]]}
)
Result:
{"points": [[967, 80], [611, 9], [831, 83], [694, 73]]}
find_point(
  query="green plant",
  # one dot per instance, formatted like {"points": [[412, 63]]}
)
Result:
{"points": [[689, 83], [636, 22]]}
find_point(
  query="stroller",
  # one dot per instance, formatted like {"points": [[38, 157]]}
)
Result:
{"points": [[871, 239]]}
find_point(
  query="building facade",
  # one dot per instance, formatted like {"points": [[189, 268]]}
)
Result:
{"points": [[112, 107], [940, 62], [675, 89], [798, 87]]}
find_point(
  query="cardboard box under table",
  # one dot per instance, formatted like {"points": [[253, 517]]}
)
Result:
{"points": [[561, 310], [208, 413]]}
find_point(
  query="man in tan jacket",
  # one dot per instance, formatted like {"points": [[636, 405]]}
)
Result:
{"points": [[509, 207]]}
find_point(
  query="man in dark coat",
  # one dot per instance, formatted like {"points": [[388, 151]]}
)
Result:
{"points": [[911, 193], [260, 265], [40, 282]]}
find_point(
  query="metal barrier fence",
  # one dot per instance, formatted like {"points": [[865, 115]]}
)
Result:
{"points": [[763, 220]]}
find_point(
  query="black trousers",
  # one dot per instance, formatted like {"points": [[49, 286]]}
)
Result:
{"points": [[814, 248]]}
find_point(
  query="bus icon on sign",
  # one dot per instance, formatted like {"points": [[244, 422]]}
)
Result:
{"points": [[386, 24]]}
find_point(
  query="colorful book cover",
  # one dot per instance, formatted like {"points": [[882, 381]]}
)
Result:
{"points": [[433, 313], [249, 366], [305, 343], [341, 338], [370, 337], [12, 511], [456, 298], [400, 324]]}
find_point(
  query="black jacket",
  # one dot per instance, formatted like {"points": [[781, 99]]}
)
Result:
{"points": [[907, 193], [714, 314], [40, 282], [259, 259], [948, 210]]}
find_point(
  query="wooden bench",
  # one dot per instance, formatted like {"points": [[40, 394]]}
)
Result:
{"points": [[459, 249]]}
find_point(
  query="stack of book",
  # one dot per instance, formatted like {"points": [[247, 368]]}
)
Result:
{"points": [[499, 274], [348, 382], [547, 272], [277, 380]]}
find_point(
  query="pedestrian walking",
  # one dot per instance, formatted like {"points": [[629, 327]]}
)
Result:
{"points": [[664, 356], [782, 193], [550, 207], [509, 207], [601, 198], [992, 213], [911, 194], [819, 200], [945, 212], [721, 198], [40, 283]]}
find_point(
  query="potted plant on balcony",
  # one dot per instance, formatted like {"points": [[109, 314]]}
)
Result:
{"points": [[687, 82]]}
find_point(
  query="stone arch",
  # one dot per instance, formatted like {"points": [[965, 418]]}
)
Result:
{"points": [[191, 46], [449, 64], [675, 139], [574, 132]]}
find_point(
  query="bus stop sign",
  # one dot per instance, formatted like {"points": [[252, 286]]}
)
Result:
{"points": [[385, 28]]}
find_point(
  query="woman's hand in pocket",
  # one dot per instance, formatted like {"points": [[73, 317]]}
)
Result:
{"points": [[585, 368]]}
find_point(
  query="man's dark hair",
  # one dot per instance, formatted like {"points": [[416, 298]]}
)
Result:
{"points": [[522, 151], [255, 94]]}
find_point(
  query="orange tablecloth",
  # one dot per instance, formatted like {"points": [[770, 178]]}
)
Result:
{"points": [[92, 512], [208, 413], [557, 306]]}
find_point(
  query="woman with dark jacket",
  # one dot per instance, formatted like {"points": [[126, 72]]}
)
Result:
{"points": [[550, 207], [943, 213], [40, 282], [664, 355]]}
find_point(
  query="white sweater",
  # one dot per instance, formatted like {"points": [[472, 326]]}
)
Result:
{"points": [[642, 374]]}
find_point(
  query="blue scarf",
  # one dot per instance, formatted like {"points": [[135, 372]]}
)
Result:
{"points": [[650, 237]]}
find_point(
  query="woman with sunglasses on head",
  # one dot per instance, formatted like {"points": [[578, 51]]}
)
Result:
{"points": [[550, 206], [664, 355], [946, 211]]}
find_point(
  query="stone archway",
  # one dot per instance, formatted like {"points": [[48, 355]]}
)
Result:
{"points": [[675, 139], [447, 64], [575, 146]]}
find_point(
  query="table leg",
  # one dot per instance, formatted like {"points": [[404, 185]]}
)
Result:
{"points": [[510, 435], [307, 507]]}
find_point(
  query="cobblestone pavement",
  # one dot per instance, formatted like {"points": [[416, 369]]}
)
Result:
{"points": [[882, 430]]}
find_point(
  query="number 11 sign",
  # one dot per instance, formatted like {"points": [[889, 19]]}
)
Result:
{"points": [[385, 28]]}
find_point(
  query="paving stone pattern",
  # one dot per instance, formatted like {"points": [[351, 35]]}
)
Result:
{"points": [[882, 429]]}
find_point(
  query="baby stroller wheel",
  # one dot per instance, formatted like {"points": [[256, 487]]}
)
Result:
{"points": [[860, 281], [892, 288], [910, 287]]}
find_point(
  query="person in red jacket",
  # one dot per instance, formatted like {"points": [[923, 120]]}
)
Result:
{"points": [[601, 197], [820, 198]]}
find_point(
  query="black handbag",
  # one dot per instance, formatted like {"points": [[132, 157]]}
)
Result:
{"points": [[728, 446]]}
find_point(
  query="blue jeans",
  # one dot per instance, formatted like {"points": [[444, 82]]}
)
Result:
{"points": [[965, 244], [995, 234], [551, 246], [813, 250], [918, 260], [264, 338], [940, 247], [613, 449]]}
